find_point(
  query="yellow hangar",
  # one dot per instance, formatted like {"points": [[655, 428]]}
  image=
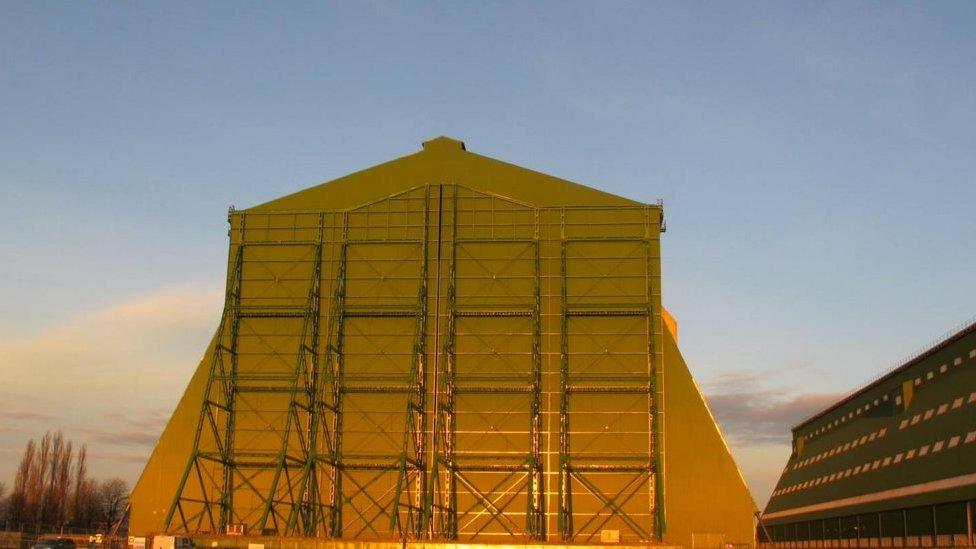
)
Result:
{"points": [[445, 348]]}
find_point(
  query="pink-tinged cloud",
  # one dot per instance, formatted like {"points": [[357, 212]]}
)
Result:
{"points": [[756, 415], [131, 348], [764, 417], [8, 414], [108, 377]]}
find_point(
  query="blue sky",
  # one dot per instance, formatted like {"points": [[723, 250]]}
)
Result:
{"points": [[816, 161]]}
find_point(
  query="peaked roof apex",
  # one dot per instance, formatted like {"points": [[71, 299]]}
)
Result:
{"points": [[444, 144]]}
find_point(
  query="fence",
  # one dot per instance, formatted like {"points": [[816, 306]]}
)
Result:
{"points": [[24, 536]]}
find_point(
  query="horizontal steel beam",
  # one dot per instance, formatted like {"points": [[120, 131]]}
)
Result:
{"points": [[596, 389], [606, 312], [490, 313]]}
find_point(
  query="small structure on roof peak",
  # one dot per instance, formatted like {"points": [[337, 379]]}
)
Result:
{"points": [[444, 143]]}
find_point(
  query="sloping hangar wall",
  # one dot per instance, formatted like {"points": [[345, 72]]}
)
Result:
{"points": [[446, 347]]}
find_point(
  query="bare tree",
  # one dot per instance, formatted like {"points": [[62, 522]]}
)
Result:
{"points": [[3, 501], [36, 480], [88, 511], [18, 510], [80, 500], [52, 489], [112, 496], [49, 498], [60, 489]]}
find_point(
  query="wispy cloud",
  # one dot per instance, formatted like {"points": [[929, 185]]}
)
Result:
{"points": [[127, 430], [108, 377], [8, 414], [149, 420], [122, 438], [130, 461], [116, 351]]}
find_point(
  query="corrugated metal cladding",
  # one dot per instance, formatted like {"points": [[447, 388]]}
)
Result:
{"points": [[894, 463], [444, 347]]}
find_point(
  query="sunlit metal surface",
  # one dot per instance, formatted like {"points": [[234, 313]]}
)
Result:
{"points": [[444, 362]]}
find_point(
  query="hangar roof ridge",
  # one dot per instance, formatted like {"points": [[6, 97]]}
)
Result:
{"points": [[445, 159], [945, 340]]}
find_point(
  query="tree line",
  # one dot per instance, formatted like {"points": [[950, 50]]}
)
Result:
{"points": [[52, 491]]}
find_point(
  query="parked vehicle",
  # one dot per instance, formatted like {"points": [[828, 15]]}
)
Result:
{"points": [[55, 543]]}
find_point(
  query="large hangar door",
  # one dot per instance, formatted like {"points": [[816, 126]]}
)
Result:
{"points": [[376, 373], [489, 483], [608, 402]]}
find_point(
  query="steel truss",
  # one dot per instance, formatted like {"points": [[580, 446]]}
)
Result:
{"points": [[221, 468], [355, 506], [382, 373]]}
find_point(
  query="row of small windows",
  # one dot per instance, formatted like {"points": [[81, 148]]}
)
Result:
{"points": [[932, 412], [841, 448], [930, 375], [877, 435], [928, 526], [922, 451]]}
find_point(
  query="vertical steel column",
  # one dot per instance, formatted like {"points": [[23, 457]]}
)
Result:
{"points": [[418, 415], [536, 512], [565, 516], [655, 390], [431, 507], [335, 374], [448, 380], [230, 393]]}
